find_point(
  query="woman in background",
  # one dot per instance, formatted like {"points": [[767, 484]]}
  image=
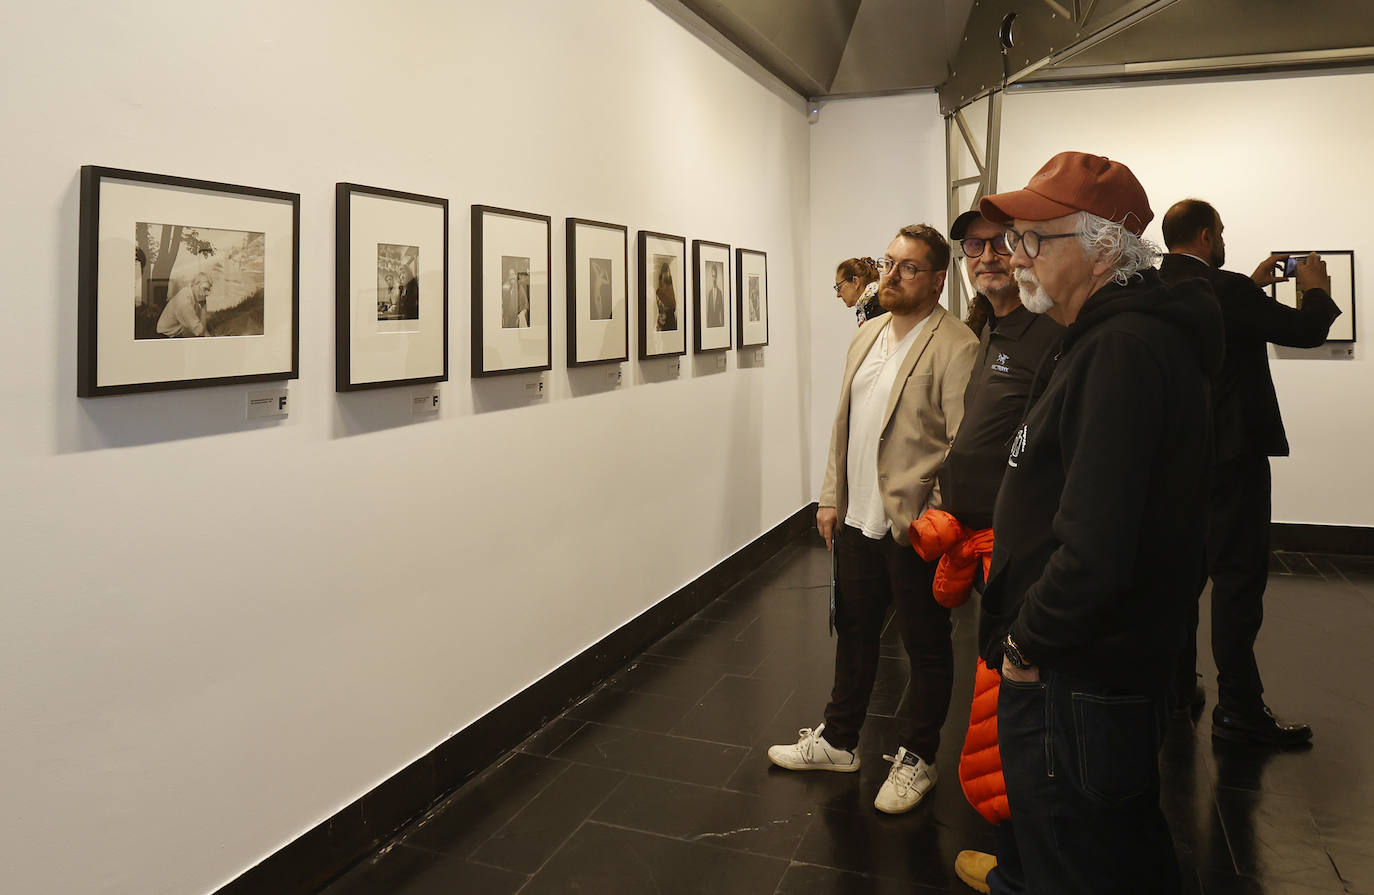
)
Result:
{"points": [[856, 283]]}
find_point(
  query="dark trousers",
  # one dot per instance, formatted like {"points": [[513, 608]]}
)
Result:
{"points": [[1238, 563], [1081, 764], [873, 574]]}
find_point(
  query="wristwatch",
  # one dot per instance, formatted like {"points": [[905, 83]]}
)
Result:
{"points": [[1013, 653]]}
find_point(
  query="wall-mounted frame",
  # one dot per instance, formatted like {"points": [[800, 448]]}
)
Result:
{"points": [[184, 283], [751, 297], [711, 304], [598, 283], [510, 291], [662, 294], [391, 288], [1340, 266]]}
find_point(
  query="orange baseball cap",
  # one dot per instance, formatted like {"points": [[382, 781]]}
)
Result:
{"points": [[1075, 181]]}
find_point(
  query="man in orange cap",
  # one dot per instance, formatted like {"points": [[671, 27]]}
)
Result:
{"points": [[1098, 535]]}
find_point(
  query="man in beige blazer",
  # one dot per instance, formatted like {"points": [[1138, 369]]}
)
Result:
{"points": [[901, 401]]}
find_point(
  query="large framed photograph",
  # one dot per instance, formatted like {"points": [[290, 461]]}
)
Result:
{"points": [[662, 295], [391, 288], [751, 297], [1340, 266], [710, 295], [184, 283], [598, 282], [510, 291]]}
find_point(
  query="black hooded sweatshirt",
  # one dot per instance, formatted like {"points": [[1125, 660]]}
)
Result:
{"points": [[1101, 516]]}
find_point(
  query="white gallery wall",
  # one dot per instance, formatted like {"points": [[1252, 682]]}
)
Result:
{"points": [[877, 164], [219, 632], [1282, 159]]}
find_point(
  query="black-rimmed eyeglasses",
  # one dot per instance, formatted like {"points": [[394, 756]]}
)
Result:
{"points": [[905, 269], [973, 246], [1030, 240]]}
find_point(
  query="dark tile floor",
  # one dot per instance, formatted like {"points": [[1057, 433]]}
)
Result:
{"points": [[658, 781]]}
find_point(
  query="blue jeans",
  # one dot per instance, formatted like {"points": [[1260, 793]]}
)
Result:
{"points": [[1081, 763]]}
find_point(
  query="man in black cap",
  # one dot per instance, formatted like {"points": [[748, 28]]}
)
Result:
{"points": [[1015, 345], [1016, 351], [1248, 431]]}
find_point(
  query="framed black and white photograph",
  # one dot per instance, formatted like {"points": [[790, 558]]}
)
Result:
{"points": [[1340, 267], [710, 295], [391, 288], [751, 297], [510, 291], [598, 282], [213, 298], [662, 295]]}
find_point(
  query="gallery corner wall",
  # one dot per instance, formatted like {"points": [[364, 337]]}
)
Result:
{"points": [[217, 631], [1281, 158], [877, 164]]}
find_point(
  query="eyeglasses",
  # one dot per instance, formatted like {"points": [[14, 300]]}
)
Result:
{"points": [[1031, 240], [905, 269], [842, 282], [974, 245]]}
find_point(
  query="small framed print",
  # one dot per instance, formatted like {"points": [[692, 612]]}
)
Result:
{"points": [[1340, 266], [751, 297], [598, 283], [662, 305], [510, 291], [391, 288], [711, 302], [184, 283]]}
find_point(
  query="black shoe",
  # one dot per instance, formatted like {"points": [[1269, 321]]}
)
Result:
{"points": [[1258, 730]]}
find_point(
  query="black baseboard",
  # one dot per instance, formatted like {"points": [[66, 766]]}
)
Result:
{"points": [[1351, 540], [309, 863]]}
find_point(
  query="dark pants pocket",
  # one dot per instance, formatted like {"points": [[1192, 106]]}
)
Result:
{"points": [[1118, 744]]}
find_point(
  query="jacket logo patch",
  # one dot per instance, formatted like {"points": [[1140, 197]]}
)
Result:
{"points": [[1018, 445], [1000, 365]]}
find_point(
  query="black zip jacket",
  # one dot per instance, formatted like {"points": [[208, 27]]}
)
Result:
{"points": [[1010, 357], [1101, 517]]}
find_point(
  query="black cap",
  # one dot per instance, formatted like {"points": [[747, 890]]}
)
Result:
{"points": [[959, 228]]}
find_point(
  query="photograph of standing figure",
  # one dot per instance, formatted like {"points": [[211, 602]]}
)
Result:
{"points": [[665, 293], [515, 292], [600, 293], [715, 295], [753, 299]]}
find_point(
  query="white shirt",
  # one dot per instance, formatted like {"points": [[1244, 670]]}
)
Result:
{"points": [[868, 397]]}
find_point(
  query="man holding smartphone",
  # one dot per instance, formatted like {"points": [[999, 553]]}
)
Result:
{"points": [[1248, 430]]}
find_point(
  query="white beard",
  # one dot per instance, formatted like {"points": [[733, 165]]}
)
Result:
{"points": [[1032, 293]]}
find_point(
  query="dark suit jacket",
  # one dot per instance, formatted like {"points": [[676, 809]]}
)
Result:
{"points": [[1245, 409]]}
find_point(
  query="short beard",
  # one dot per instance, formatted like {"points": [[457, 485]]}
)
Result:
{"points": [[1032, 293]]}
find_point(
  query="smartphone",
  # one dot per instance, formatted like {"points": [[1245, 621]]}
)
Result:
{"points": [[1290, 266]]}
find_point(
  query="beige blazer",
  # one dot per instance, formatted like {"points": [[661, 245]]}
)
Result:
{"points": [[922, 418]]}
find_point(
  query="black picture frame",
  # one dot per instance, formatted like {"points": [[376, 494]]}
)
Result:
{"points": [[1342, 291], [701, 313], [745, 264], [142, 360], [573, 225], [347, 377], [482, 324], [651, 343]]}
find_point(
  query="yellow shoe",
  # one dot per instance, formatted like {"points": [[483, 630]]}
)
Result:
{"points": [[973, 866]]}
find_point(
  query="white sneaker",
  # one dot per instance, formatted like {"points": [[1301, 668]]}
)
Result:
{"points": [[906, 784], [812, 753]]}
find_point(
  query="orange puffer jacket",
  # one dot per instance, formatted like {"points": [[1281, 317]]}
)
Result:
{"points": [[980, 764], [937, 534]]}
